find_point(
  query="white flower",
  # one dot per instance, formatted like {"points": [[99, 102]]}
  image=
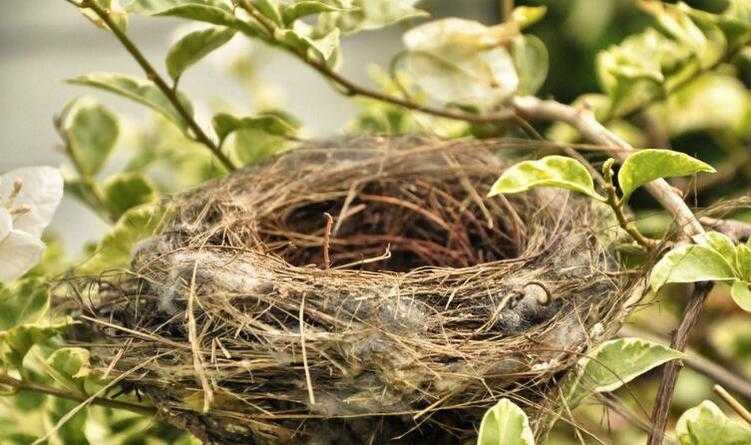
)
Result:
{"points": [[28, 198]]}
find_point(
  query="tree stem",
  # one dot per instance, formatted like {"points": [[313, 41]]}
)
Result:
{"points": [[56, 392], [154, 76]]}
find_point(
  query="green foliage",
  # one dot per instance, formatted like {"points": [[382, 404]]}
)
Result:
{"points": [[194, 47], [550, 171], [613, 364], [23, 302], [706, 424], [714, 258], [531, 62], [16, 342], [270, 123], [647, 165], [91, 131], [505, 424], [114, 250], [293, 11], [125, 191], [141, 91], [70, 368]]}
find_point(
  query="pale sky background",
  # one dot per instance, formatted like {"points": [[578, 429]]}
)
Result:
{"points": [[40, 46]]}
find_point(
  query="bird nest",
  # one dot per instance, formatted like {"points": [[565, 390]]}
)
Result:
{"points": [[358, 291]]}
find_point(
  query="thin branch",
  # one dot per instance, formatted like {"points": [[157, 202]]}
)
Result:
{"points": [[154, 76], [617, 205], [100, 401], [670, 370], [733, 403]]}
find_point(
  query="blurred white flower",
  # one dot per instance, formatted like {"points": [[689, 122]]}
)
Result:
{"points": [[28, 199]]}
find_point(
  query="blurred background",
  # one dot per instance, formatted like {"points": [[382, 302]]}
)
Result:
{"points": [[40, 47]]}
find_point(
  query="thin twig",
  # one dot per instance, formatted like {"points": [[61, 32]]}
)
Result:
{"points": [[670, 370], [154, 76], [327, 241], [733, 403], [56, 392], [617, 205]]}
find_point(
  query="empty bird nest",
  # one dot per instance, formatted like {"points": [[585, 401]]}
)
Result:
{"points": [[358, 291]]}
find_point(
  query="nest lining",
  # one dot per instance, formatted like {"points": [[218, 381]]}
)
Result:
{"points": [[422, 301]]}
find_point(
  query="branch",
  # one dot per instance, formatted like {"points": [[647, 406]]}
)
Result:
{"points": [[19, 385], [154, 76], [670, 371], [733, 403]]}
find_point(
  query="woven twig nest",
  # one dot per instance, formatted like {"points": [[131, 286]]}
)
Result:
{"points": [[257, 320]]}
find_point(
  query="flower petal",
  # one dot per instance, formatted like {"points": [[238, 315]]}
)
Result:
{"points": [[42, 191], [6, 223], [19, 252]]}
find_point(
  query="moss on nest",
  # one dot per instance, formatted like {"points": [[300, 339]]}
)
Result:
{"points": [[422, 301]]}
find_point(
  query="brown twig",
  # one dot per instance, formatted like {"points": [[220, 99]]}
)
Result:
{"points": [[154, 76], [733, 403], [327, 241], [670, 371]]}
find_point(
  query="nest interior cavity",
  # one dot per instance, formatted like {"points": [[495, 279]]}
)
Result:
{"points": [[358, 291]]}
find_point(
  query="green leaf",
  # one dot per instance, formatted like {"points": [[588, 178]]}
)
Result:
{"points": [[214, 15], [703, 37], [706, 424], [365, 15], [226, 124], [91, 131], [741, 294], [114, 250], [193, 47], [143, 92], [253, 146], [15, 343], [294, 11], [550, 171], [125, 191], [151, 7], [613, 364], [26, 302], [743, 261], [505, 424], [647, 165], [690, 264], [70, 367], [270, 10], [721, 244], [531, 62]]}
